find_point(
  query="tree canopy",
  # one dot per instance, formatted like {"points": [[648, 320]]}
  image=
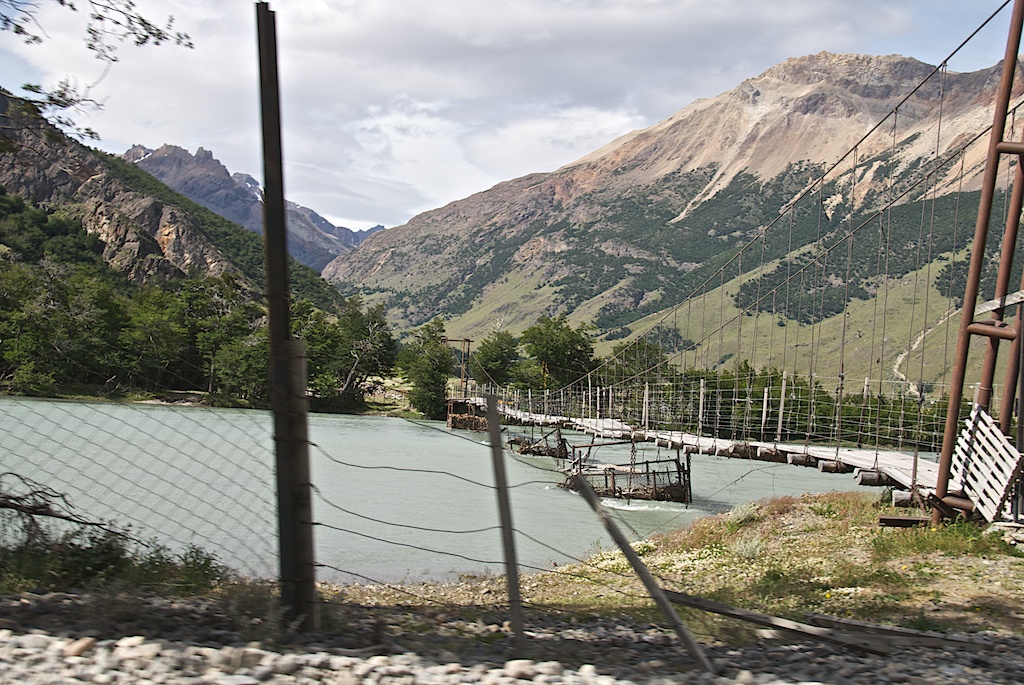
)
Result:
{"points": [[428, 366], [564, 353]]}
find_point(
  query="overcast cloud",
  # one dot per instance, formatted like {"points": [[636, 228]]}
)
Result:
{"points": [[394, 107]]}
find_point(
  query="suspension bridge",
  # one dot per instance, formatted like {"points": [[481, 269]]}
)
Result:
{"points": [[846, 333]]}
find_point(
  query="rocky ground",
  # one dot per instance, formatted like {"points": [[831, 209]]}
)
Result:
{"points": [[586, 624], [114, 639]]}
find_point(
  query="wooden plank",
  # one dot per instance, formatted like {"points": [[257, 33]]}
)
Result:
{"points": [[903, 521], [999, 303], [899, 636], [865, 643], [986, 463]]}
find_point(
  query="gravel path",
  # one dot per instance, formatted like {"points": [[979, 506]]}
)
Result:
{"points": [[73, 639]]}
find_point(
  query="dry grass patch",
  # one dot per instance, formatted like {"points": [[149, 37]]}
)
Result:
{"points": [[784, 556]]}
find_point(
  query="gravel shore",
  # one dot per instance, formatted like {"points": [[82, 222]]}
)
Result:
{"points": [[110, 639]]}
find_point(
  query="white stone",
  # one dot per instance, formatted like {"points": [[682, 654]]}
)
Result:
{"points": [[550, 668], [521, 669], [744, 678], [132, 641], [33, 641], [286, 665]]}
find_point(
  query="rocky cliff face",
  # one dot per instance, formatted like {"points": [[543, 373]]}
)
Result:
{"points": [[144, 237], [622, 231], [312, 240]]}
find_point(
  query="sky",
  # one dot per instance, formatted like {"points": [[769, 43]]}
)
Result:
{"points": [[394, 107]]}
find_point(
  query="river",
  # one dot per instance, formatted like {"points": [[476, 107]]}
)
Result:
{"points": [[395, 499]]}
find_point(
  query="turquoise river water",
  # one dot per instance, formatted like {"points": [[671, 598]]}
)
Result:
{"points": [[394, 499]]}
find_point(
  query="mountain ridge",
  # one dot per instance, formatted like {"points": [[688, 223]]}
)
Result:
{"points": [[149, 231], [613, 235]]}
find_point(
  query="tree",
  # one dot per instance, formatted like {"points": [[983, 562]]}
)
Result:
{"points": [[429, 367], [343, 350], [109, 24], [495, 358], [154, 341], [243, 366], [564, 353], [217, 312]]}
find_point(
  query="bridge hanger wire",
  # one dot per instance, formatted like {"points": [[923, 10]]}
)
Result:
{"points": [[840, 161], [845, 313], [925, 325], [809, 279], [950, 300]]}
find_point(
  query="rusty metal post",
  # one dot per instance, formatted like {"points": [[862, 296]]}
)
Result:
{"points": [[1002, 289], [1003, 285], [977, 255], [287, 376]]}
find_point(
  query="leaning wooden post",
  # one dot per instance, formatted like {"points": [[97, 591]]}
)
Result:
{"points": [[515, 603], [287, 376], [657, 594]]}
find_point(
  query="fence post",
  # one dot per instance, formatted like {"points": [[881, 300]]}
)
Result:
{"points": [[764, 411], [287, 372], [700, 408], [657, 594], [782, 407], [515, 603], [590, 398], [647, 404]]}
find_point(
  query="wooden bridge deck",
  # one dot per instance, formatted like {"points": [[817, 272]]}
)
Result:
{"points": [[898, 466]]}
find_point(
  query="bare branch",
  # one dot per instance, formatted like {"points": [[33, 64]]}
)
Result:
{"points": [[110, 23], [31, 500]]}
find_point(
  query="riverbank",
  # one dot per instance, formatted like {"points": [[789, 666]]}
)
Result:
{"points": [[783, 556], [588, 623]]}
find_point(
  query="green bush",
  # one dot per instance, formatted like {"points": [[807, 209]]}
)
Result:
{"points": [[86, 558]]}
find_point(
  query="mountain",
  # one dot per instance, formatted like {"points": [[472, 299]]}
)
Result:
{"points": [[312, 239], [631, 229], [148, 230]]}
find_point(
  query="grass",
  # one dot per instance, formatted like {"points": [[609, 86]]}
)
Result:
{"points": [[86, 558], [783, 556]]}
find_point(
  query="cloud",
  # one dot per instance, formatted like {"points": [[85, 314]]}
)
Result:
{"points": [[393, 107]]}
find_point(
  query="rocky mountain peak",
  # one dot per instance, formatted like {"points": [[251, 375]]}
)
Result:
{"points": [[862, 75], [313, 240]]}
